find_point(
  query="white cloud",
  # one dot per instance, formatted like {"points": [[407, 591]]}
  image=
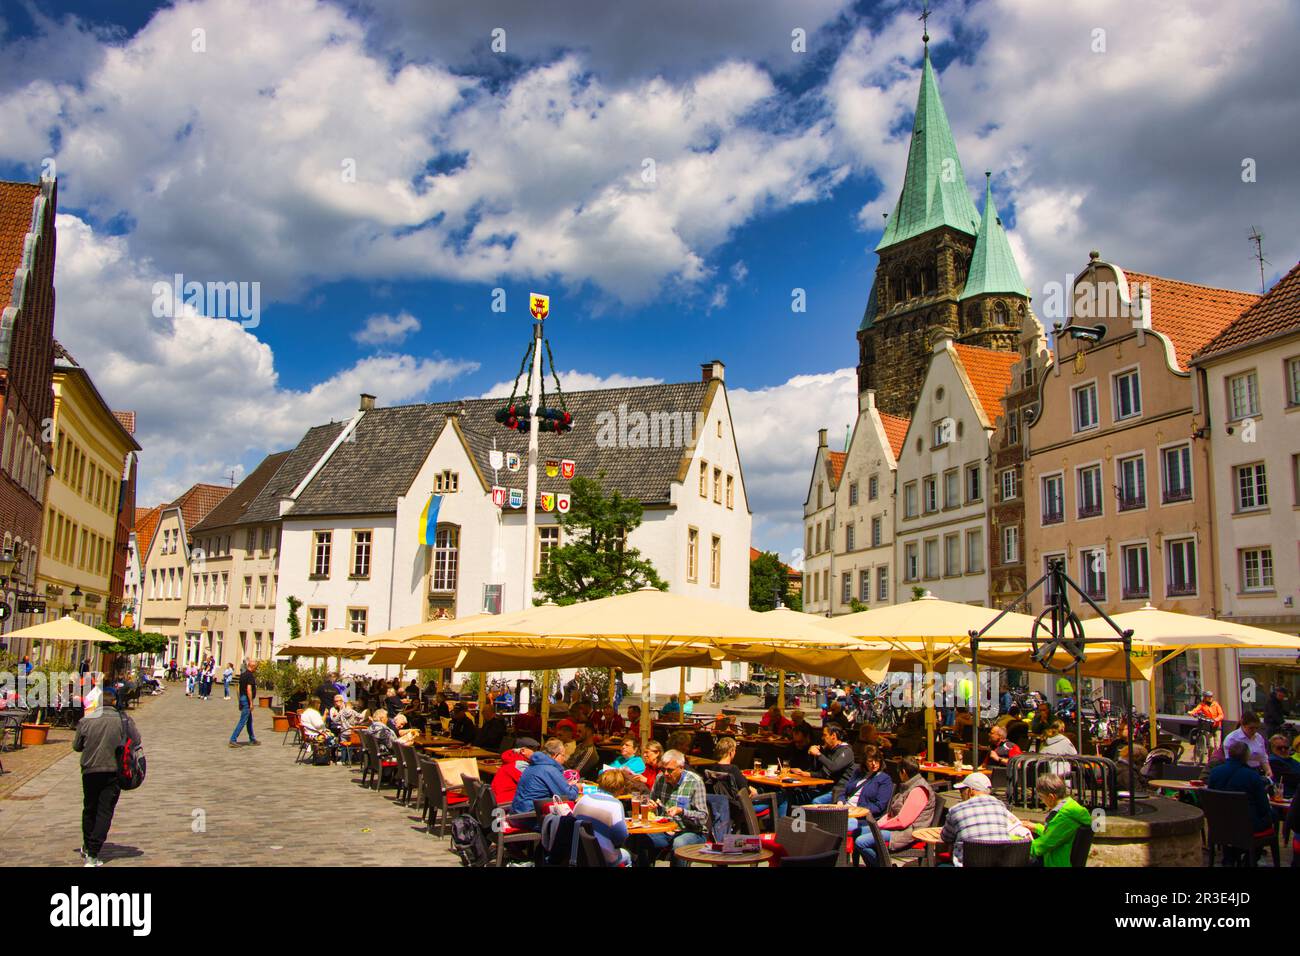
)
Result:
{"points": [[776, 431], [739, 271], [719, 298], [575, 381], [383, 329], [205, 391]]}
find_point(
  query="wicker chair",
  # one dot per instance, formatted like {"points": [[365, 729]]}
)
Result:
{"points": [[977, 853], [1227, 822], [834, 820], [439, 802]]}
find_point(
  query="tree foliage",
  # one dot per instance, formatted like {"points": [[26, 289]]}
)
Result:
{"points": [[131, 641], [768, 577], [595, 561]]}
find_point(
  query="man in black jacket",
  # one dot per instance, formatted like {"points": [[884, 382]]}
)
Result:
{"points": [[99, 734], [833, 759]]}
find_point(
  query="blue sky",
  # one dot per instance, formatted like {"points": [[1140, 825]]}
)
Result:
{"points": [[523, 170]]}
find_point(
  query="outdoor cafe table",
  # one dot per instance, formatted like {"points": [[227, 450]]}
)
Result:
{"points": [[447, 753], [930, 836], [784, 782], [947, 770], [650, 827], [1175, 785], [700, 853]]}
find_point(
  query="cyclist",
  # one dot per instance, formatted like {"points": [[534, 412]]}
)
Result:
{"points": [[1210, 711]]}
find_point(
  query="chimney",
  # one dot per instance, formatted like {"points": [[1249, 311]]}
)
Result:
{"points": [[712, 370], [866, 400], [821, 438], [367, 403], [942, 341]]}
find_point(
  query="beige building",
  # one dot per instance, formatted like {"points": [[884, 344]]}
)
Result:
{"points": [[819, 527], [1249, 377], [167, 560], [1117, 468], [82, 500], [234, 575]]}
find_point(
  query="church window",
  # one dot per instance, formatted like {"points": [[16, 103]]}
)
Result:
{"points": [[1000, 315]]}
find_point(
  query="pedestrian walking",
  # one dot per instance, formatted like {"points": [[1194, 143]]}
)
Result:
{"points": [[247, 691], [205, 679], [99, 734], [191, 674], [226, 676]]}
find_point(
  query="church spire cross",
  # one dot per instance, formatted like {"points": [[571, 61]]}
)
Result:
{"points": [[925, 22]]}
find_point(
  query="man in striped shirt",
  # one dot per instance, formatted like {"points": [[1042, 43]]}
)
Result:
{"points": [[980, 816]]}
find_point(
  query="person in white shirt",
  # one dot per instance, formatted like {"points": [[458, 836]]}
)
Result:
{"points": [[1247, 732], [1055, 742], [311, 721]]}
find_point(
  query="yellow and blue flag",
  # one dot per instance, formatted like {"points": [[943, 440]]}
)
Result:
{"points": [[429, 520]]}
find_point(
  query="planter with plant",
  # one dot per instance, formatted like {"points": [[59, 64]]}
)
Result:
{"points": [[44, 680]]}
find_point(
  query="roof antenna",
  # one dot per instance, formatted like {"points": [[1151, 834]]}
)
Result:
{"points": [[232, 477], [1257, 238]]}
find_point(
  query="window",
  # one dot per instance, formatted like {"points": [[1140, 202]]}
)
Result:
{"points": [[974, 491], [1090, 491], [717, 486], [882, 583], [1180, 568], [731, 491], [1085, 407], [819, 538], [715, 562], [261, 590], [941, 434], [864, 586], [1010, 487], [1177, 480], [1132, 491], [317, 619], [808, 545], [247, 599], [1128, 395], [911, 568], [446, 558], [877, 531], [1136, 582], [1293, 381], [974, 551], [849, 536], [873, 488], [951, 489], [1092, 573], [704, 481], [909, 500], [446, 482], [1252, 487], [1257, 569], [853, 492], [360, 554], [693, 552], [1013, 428], [932, 558], [1010, 544], [548, 539], [225, 587], [820, 489], [1243, 396], [323, 541], [931, 493], [952, 555], [250, 541], [846, 588]]}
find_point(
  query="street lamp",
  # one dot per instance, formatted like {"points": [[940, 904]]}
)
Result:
{"points": [[7, 563], [76, 599]]}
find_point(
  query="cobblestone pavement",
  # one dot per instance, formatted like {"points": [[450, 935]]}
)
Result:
{"points": [[204, 802]]}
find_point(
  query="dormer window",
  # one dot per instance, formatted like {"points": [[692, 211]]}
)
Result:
{"points": [[446, 482]]}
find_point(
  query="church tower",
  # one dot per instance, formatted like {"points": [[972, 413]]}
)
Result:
{"points": [[930, 246]]}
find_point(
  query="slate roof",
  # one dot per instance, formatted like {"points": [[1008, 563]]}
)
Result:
{"points": [[989, 372], [266, 505], [993, 266], [1191, 315], [367, 473], [15, 222], [934, 190], [895, 430], [232, 507], [1275, 314]]}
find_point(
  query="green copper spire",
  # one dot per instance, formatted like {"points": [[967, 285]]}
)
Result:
{"points": [[934, 187], [992, 265]]}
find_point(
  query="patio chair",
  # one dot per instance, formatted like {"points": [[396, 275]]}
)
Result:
{"points": [[1227, 822], [793, 840], [502, 829], [884, 860], [1181, 771], [1081, 847], [747, 812], [375, 763], [750, 726], [977, 853], [744, 756], [439, 802], [833, 820], [295, 728], [830, 857], [589, 852], [408, 774]]}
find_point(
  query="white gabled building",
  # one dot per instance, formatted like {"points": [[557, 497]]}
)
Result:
{"points": [[350, 496]]}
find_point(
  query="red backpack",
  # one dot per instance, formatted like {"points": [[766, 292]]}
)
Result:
{"points": [[130, 757]]}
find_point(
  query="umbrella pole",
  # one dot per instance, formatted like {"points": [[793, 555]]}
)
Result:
{"points": [[482, 695], [612, 696], [681, 694], [780, 689], [929, 701], [646, 696], [975, 727], [1151, 705], [546, 703]]}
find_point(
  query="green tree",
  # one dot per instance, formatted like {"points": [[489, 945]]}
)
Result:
{"points": [[595, 561], [131, 641], [767, 578]]}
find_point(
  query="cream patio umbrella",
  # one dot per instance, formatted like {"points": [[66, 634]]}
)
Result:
{"points": [[65, 629], [648, 625], [931, 632], [333, 643]]}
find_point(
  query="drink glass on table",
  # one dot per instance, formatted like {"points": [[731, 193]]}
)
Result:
{"points": [[636, 806], [758, 766]]}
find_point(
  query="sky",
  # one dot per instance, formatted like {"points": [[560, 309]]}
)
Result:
{"points": [[393, 177]]}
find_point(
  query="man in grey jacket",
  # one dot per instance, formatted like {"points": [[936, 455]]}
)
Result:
{"points": [[99, 734]]}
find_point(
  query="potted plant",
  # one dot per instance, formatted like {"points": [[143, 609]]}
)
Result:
{"points": [[44, 678]]}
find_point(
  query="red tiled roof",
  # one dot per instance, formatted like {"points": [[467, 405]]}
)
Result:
{"points": [[126, 420], [15, 222], [1275, 313], [836, 459], [198, 500], [146, 523], [989, 372], [895, 430], [755, 554], [1191, 315]]}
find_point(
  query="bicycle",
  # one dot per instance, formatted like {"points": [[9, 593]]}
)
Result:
{"points": [[1202, 738]]}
